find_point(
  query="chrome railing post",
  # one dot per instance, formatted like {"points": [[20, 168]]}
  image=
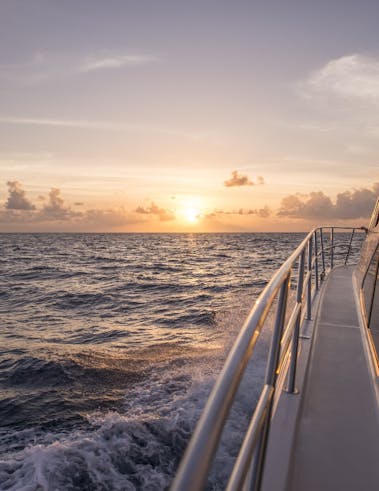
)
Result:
{"points": [[332, 248], [295, 338], [349, 249], [273, 357], [309, 286], [322, 254], [255, 477], [316, 260]]}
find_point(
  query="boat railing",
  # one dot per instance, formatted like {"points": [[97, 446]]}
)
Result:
{"points": [[306, 268]]}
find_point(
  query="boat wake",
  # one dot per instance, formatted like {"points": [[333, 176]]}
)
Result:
{"points": [[140, 446]]}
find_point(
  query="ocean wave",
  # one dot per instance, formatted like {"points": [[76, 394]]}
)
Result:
{"points": [[110, 351], [67, 300], [139, 449]]}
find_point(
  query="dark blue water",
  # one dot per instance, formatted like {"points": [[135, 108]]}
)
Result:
{"points": [[109, 345]]}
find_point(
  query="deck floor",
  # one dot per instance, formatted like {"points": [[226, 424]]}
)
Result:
{"points": [[337, 441]]}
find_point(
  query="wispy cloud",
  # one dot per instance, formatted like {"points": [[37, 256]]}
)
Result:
{"points": [[117, 61], [341, 98], [352, 76], [99, 125], [45, 66], [96, 125]]}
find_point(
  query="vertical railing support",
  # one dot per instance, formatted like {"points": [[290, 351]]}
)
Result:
{"points": [[295, 338], [255, 477], [322, 254], [349, 249], [309, 286], [273, 357], [316, 261], [332, 248]]}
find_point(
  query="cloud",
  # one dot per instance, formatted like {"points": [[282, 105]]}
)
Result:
{"points": [[89, 220], [46, 66], [14, 217], [116, 61], [55, 208], [163, 214], [357, 203], [19, 213], [238, 180], [53, 211], [352, 76], [17, 199], [95, 125], [261, 212], [53, 214], [99, 125], [342, 103], [103, 219]]}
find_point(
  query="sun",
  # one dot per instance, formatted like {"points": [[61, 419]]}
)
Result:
{"points": [[191, 214], [190, 210]]}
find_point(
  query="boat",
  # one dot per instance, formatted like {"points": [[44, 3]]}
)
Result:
{"points": [[316, 423]]}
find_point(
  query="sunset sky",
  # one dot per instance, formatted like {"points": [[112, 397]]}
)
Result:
{"points": [[195, 116]]}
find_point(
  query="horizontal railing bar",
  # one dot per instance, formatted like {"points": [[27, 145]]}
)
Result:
{"points": [[243, 461], [339, 244], [327, 248], [339, 227]]}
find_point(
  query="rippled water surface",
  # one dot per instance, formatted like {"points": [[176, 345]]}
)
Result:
{"points": [[109, 346]]}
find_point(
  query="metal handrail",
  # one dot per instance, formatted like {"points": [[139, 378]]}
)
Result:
{"points": [[248, 468]]}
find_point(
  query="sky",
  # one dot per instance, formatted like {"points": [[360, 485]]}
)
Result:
{"points": [[188, 116]]}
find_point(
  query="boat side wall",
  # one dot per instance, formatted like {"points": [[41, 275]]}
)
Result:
{"points": [[368, 248]]}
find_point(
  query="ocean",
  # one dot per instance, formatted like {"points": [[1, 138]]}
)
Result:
{"points": [[110, 345]]}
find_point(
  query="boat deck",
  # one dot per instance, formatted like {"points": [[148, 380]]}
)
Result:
{"points": [[337, 440]]}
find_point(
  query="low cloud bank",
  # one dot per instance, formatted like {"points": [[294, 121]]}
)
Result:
{"points": [[163, 214], [19, 209], [261, 212], [358, 203], [54, 212], [51, 212]]}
